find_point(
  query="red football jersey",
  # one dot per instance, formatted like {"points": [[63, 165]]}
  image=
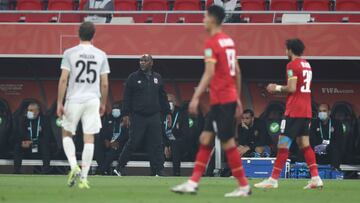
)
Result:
{"points": [[298, 104], [220, 49]]}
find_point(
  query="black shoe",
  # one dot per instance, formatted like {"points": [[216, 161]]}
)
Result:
{"points": [[160, 173], [119, 171]]}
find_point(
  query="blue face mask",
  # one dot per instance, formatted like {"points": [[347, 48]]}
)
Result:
{"points": [[116, 113], [323, 116]]}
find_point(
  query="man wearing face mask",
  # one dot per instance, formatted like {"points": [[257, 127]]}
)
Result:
{"points": [[144, 101], [326, 138], [176, 134], [111, 141], [33, 138]]}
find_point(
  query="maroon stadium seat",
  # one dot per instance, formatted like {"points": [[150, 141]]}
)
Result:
{"points": [[153, 5], [125, 5], [282, 5], [316, 5], [349, 5], [64, 5], [255, 5], [32, 5], [186, 5]]}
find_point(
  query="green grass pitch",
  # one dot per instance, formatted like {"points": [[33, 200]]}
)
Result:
{"points": [[53, 189]]}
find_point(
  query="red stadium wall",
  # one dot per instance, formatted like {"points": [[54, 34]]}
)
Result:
{"points": [[323, 40]]}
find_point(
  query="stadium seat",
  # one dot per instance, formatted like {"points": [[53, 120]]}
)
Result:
{"points": [[348, 5], [255, 5], [55, 130], [186, 5], [5, 126], [125, 5], [63, 5], [282, 5], [209, 3], [153, 5], [316, 5], [32, 5]]}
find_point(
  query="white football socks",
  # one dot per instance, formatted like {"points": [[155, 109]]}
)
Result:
{"points": [[87, 157], [69, 149]]}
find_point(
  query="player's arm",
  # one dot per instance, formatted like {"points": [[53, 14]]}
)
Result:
{"points": [[290, 87], [63, 81], [104, 90], [205, 79]]}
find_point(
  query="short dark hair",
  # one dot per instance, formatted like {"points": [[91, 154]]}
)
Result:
{"points": [[218, 12], [325, 104], [249, 111], [296, 46], [86, 31]]}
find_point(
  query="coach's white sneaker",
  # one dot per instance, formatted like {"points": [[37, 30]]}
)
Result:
{"points": [[117, 173], [189, 187], [240, 192], [269, 183], [314, 183]]}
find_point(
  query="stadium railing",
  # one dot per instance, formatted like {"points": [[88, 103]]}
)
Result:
{"points": [[193, 16]]}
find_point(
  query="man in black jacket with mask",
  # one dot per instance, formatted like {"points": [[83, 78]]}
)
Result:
{"points": [[32, 138], [144, 101], [326, 137]]}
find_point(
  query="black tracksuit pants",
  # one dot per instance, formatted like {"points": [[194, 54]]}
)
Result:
{"points": [[150, 129]]}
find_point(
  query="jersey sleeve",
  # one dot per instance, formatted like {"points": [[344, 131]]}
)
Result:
{"points": [[291, 72], [65, 62], [209, 52], [105, 69]]}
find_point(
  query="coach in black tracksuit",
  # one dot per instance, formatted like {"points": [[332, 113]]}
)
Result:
{"points": [[144, 101]]}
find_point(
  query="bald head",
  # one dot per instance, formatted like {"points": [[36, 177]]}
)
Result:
{"points": [[146, 62]]}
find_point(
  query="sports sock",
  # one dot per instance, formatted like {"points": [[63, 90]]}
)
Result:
{"points": [[87, 157], [69, 149], [235, 163], [311, 161], [282, 155], [202, 159]]}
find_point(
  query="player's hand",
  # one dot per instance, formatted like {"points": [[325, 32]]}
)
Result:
{"points": [[102, 109], [271, 88], [239, 110], [60, 110], [193, 106], [169, 120], [26, 144], [107, 144], [126, 121], [115, 145]]}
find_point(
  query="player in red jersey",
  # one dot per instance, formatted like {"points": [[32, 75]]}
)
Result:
{"points": [[298, 113], [222, 74]]}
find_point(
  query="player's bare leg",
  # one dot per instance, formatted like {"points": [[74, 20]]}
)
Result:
{"points": [[304, 144], [237, 170], [87, 157], [202, 159], [69, 149], [284, 144]]}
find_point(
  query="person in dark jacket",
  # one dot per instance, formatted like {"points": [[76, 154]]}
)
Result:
{"points": [[144, 101], [32, 139], [111, 140], [253, 137], [326, 137], [176, 135]]}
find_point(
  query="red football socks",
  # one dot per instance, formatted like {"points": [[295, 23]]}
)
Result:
{"points": [[311, 161], [235, 163], [281, 157], [202, 159]]}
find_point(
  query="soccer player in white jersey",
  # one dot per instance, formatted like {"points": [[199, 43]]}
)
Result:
{"points": [[84, 78]]}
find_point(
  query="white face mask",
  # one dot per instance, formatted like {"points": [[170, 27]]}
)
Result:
{"points": [[323, 116], [30, 115], [172, 106], [116, 113]]}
